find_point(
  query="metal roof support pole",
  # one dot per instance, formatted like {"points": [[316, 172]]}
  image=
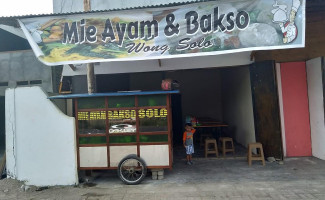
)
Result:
{"points": [[91, 78]]}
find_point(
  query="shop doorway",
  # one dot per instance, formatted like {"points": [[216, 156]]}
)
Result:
{"points": [[216, 97], [238, 97], [244, 98]]}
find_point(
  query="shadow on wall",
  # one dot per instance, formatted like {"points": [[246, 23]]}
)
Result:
{"points": [[237, 104]]}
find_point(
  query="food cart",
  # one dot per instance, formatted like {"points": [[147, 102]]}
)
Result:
{"points": [[127, 131]]}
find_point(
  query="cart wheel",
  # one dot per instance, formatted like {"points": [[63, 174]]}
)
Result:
{"points": [[132, 170]]}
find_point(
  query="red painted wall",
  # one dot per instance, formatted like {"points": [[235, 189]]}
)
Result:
{"points": [[296, 109]]}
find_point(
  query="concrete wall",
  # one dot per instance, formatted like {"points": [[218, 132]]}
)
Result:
{"points": [[237, 104], [295, 109], [23, 66], [316, 106], [60, 6], [40, 139]]}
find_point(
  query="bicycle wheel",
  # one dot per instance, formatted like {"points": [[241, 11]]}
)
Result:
{"points": [[132, 170]]}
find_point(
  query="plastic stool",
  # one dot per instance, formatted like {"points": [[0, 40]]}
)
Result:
{"points": [[259, 156], [212, 151], [224, 149]]}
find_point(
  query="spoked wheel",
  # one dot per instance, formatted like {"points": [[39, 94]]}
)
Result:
{"points": [[132, 170]]}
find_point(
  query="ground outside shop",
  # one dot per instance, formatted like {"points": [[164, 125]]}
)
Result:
{"points": [[297, 178]]}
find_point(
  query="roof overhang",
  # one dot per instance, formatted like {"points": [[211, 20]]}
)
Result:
{"points": [[114, 94], [16, 31]]}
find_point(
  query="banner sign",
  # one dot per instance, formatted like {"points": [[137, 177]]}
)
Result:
{"points": [[207, 28]]}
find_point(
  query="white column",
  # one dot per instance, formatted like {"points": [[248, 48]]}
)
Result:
{"points": [[10, 133], [316, 106]]}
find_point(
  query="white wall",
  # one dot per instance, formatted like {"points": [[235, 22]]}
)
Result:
{"points": [[237, 104], [283, 133], [316, 106], [40, 139], [166, 64]]}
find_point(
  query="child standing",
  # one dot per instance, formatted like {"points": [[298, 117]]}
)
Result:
{"points": [[188, 142]]}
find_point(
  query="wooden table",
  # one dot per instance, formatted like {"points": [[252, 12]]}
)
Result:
{"points": [[206, 122], [211, 125]]}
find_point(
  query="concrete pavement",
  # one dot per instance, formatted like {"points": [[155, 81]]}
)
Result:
{"points": [[297, 178]]}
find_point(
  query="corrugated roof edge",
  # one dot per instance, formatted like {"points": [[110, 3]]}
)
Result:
{"points": [[86, 95], [109, 10]]}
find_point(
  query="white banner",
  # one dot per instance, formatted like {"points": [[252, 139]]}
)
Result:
{"points": [[207, 28]]}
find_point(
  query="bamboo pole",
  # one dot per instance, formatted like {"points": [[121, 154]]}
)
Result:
{"points": [[91, 78], [87, 5]]}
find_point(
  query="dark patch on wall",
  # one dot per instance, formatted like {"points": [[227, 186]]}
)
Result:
{"points": [[266, 108], [35, 82], [56, 77], [201, 92], [22, 82], [79, 84], [177, 119], [66, 84], [146, 81], [112, 82], [236, 101], [4, 84], [11, 42]]}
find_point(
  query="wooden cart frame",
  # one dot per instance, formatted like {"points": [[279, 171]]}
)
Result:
{"points": [[147, 144]]}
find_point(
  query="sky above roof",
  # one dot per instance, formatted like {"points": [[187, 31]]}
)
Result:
{"points": [[25, 7]]}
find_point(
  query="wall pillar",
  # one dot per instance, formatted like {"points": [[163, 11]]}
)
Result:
{"points": [[315, 79]]}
